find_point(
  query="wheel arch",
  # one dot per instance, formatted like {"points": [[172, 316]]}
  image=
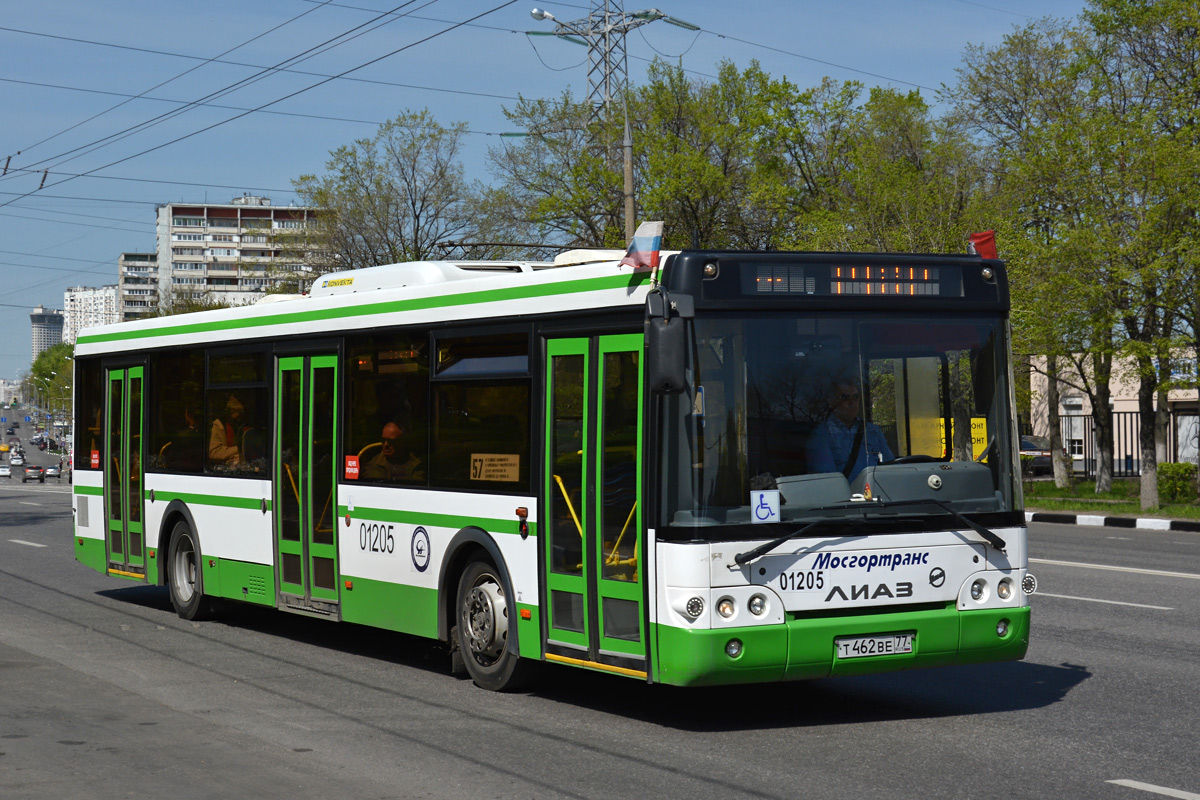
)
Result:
{"points": [[177, 511], [467, 545]]}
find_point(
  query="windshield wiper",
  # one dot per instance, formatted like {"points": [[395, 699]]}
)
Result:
{"points": [[989, 535], [742, 559]]}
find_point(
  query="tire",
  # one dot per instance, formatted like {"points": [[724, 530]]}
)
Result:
{"points": [[184, 576], [482, 616]]}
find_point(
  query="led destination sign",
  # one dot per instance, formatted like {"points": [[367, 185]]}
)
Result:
{"points": [[829, 280]]}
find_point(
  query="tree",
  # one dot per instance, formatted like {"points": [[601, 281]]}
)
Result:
{"points": [[49, 378], [395, 197]]}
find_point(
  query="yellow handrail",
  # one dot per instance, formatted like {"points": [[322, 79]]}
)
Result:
{"points": [[571, 508], [612, 557]]}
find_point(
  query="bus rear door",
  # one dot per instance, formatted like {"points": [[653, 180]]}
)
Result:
{"points": [[123, 496]]}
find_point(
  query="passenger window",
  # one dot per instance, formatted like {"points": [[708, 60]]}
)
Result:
{"points": [[176, 412], [387, 408], [237, 432]]}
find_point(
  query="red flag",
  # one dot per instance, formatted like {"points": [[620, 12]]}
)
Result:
{"points": [[983, 244]]}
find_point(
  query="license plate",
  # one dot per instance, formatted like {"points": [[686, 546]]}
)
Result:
{"points": [[884, 644]]}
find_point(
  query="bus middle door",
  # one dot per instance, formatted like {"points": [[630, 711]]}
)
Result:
{"points": [[305, 483]]}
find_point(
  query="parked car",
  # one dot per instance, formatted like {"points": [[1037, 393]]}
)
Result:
{"points": [[54, 471], [1038, 447], [34, 472], [5, 471]]}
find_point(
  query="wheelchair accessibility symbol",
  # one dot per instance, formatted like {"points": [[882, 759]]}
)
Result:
{"points": [[764, 506]]}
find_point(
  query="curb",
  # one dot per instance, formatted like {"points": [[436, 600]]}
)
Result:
{"points": [[1148, 523]]}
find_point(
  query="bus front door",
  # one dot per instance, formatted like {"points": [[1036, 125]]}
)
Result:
{"points": [[123, 497], [305, 482], [593, 544]]}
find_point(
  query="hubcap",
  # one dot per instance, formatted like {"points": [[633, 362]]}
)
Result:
{"points": [[485, 619], [185, 569]]}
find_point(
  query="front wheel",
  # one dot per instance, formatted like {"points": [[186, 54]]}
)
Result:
{"points": [[482, 629], [183, 574]]}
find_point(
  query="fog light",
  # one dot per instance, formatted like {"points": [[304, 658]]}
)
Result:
{"points": [[1029, 583], [978, 589], [733, 648], [757, 605], [695, 607], [1004, 589], [1002, 628], [726, 607]]}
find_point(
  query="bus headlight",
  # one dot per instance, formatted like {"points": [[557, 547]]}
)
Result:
{"points": [[695, 607], [978, 590], [733, 648], [726, 607], [757, 605], [1004, 589]]}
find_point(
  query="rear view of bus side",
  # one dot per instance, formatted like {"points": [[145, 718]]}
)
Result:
{"points": [[741, 467]]}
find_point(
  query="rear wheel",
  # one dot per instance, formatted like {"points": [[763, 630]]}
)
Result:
{"points": [[483, 631], [183, 574]]}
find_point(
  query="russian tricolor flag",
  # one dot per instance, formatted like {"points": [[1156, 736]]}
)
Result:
{"points": [[643, 250]]}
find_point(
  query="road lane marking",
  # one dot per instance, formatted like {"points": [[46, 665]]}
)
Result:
{"points": [[27, 503], [1098, 600], [1159, 572], [1163, 790], [28, 544]]}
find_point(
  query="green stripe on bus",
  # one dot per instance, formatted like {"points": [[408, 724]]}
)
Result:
{"points": [[96, 490], [436, 520], [211, 500], [618, 281]]}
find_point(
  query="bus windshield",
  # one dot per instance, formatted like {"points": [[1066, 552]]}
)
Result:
{"points": [[836, 412]]}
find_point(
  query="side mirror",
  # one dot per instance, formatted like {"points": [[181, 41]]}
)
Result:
{"points": [[666, 341]]}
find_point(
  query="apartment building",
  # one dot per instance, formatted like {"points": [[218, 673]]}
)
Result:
{"points": [[47, 324], [137, 285], [232, 251], [85, 306]]}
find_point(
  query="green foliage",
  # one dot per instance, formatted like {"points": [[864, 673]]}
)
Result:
{"points": [[398, 196], [1177, 483]]}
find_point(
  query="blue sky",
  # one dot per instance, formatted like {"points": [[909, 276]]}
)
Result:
{"points": [[68, 70]]}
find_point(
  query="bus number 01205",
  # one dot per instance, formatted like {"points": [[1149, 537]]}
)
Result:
{"points": [[376, 538], [802, 581]]}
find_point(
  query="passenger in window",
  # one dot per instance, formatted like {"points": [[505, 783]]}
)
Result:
{"points": [[227, 431], [396, 461], [844, 442]]}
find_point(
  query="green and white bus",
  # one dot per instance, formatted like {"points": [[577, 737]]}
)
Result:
{"points": [[584, 462]]}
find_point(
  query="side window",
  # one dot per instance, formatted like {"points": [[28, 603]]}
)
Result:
{"points": [[236, 432], [176, 412], [89, 411], [480, 415], [387, 408]]}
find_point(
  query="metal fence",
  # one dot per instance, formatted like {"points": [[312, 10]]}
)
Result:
{"points": [[1079, 437]]}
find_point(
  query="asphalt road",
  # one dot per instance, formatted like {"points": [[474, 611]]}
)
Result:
{"points": [[105, 693]]}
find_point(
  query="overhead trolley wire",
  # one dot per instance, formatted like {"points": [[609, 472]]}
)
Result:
{"points": [[242, 83], [175, 78], [376, 60]]}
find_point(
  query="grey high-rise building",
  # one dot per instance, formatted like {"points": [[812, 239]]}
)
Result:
{"points": [[47, 329]]}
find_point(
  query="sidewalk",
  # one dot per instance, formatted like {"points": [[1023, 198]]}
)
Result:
{"points": [[1150, 523]]}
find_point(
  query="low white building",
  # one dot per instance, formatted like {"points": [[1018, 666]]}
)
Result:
{"points": [[1075, 412]]}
